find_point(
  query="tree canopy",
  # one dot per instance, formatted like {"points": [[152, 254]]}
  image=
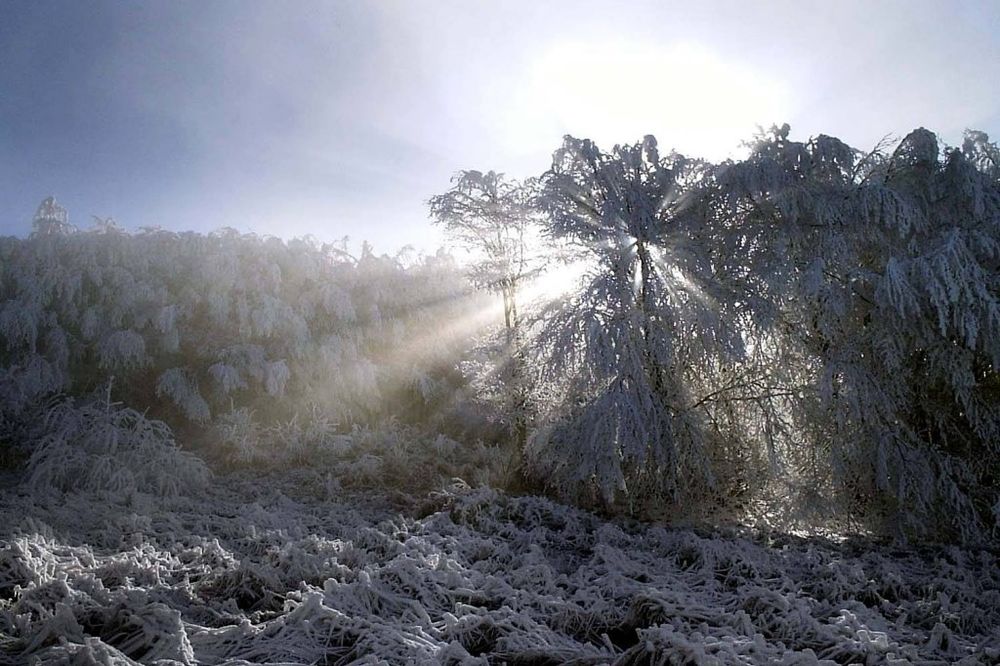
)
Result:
{"points": [[811, 320]]}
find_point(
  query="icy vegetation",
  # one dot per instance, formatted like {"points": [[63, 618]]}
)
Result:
{"points": [[227, 332], [228, 449], [288, 569]]}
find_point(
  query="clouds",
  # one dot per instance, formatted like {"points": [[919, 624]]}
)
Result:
{"points": [[194, 115], [615, 92]]}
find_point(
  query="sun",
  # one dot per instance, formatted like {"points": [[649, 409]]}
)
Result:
{"points": [[692, 98]]}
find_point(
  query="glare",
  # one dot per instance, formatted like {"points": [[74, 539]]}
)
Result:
{"points": [[691, 98], [559, 281]]}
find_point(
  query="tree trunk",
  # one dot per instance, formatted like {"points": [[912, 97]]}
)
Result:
{"points": [[647, 308], [656, 374], [517, 380]]}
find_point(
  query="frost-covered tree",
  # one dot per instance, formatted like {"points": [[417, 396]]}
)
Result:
{"points": [[983, 153], [50, 219], [883, 270], [494, 218], [812, 317], [629, 348]]}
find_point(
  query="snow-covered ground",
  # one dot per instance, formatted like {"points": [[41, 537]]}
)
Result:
{"points": [[295, 569]]}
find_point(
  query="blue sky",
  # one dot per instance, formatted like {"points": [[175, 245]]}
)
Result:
{"points": [[343, 118]]}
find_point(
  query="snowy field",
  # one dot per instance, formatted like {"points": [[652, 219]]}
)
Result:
{"points": [[298, 570]]}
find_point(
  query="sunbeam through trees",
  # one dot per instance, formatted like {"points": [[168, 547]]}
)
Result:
{"points": [[647, 408]]}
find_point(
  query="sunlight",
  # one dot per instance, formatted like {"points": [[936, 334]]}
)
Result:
{"points": [[691, 98], [558, 282], [486, 312], [555, 283]]}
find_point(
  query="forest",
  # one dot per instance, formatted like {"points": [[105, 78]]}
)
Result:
{"points": [[644, 409]]}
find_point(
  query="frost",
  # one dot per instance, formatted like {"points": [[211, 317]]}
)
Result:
{"points": [[176, 384], [123, 350], [807, 337], [276, 376], [114, 450], [227, 377], [258, 319], [299, 579], [18, 325]]}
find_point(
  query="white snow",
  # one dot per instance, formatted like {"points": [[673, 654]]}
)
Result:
{"points": [[275, 570]]}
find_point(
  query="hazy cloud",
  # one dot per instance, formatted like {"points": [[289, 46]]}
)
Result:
{"points": [[343, 118]]}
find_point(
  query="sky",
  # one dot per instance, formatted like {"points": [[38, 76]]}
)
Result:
{"points": [[341, 119]]}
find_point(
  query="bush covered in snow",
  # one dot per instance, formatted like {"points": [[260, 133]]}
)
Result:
{"points": [[108, 450], [195, 327], [881, 281]]}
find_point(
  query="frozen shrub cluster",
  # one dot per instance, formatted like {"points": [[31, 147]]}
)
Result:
{"points": [[248, 574], [388, 453], [880, 274], [193, 326], [108, 449]]}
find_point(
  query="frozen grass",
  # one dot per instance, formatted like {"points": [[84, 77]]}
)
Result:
{"points": [[295, 570], [112, 450]]}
